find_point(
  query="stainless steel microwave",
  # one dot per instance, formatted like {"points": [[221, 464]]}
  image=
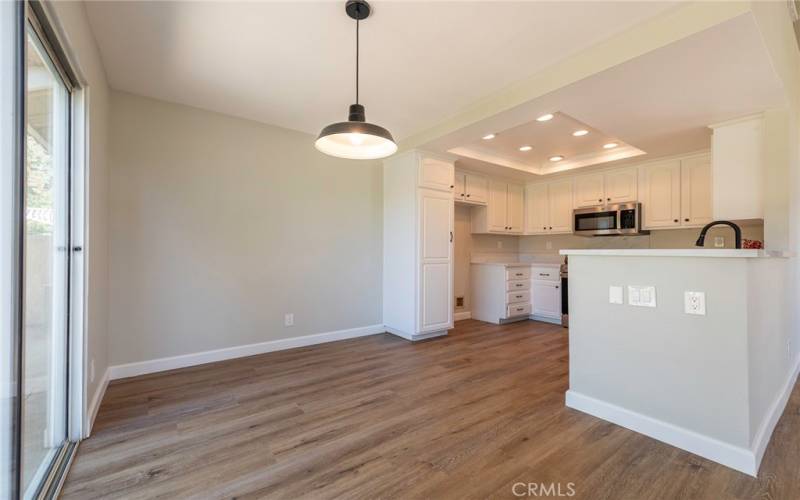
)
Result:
{"points": [[611, 220]]}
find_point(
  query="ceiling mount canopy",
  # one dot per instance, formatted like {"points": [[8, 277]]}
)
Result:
{"points": [[355, 138]]}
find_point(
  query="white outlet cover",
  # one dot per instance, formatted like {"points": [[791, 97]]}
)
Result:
{"points": [[719, 241], [499, 244], [549, 245], [615, 294], [288, 319], [642, 295], [694, 303]]}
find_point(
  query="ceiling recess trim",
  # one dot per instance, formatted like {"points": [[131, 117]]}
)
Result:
{"points": [[622, 152]]}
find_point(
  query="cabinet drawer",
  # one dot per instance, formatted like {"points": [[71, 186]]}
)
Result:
{"points": [[518, 273], [518, 310], [516, 285], [546, 273], [520, 296]]}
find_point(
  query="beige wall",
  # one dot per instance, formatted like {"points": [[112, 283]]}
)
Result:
{"points": [[78, 36], [221, 225]]}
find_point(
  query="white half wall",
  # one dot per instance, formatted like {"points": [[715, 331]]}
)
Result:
{"points": [[220, 226]]}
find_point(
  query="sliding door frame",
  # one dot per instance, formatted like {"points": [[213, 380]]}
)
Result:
{"points": [[39, 16]]}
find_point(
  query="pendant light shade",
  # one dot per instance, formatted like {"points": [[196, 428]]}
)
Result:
{"points": [[356, 139]]}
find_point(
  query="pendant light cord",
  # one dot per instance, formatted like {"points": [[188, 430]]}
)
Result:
{"points": [[357, 24]]}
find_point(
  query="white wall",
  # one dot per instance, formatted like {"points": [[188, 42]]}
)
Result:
{"points": [[71, 16], [220, 226]]}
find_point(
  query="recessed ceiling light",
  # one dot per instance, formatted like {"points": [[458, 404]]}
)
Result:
{"points": [[488, 137], [579, 133], [556, 158], [610, 145], [526, 148], [544, 118]]}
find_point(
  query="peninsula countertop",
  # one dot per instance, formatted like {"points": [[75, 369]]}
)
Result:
{"points": [[679, 252]]}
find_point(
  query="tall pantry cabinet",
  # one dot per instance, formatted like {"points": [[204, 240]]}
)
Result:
{"points": [[418, 219]]}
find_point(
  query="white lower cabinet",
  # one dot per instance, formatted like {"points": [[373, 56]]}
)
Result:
{"points": [[511, 292], [546, 299], [546, 293]]}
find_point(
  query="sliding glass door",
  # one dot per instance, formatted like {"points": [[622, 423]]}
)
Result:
{"points": [[46, 264], [41, 369]]}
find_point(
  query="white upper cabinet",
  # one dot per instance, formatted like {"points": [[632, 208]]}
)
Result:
{"points": [[498, 194], [515, 211], [460, 189], [739, 161], [661, 194], [589, 191], [696, 192], [477, 188], [536, 209], [621, 186], [677, 193], [617, 186], [504, 212], [471, 188], [560, 207], [436, 174], [548, 207]]}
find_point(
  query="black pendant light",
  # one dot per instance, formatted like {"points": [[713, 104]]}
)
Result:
{"points": [[355, 138]]}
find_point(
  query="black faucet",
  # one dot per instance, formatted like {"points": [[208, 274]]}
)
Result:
{"points": [[701, 241]]}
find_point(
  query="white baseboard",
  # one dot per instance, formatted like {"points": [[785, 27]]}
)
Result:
{"points": [[94, 406], [199, 358], [462, 315], [774, 413], [414, 336], [735, 457], [545, 319]]}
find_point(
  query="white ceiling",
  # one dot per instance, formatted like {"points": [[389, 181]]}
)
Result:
{"points": [[547, 139], [292, 63], [661, 102]]}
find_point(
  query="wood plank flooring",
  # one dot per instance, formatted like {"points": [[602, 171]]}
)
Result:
{"points": [[465, 416]]}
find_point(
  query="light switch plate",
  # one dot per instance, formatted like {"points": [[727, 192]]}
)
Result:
{"points": [[642, 295], [615, 294], [694, 303]]}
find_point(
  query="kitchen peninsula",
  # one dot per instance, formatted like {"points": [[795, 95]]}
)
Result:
{"points": [[663, 342]]}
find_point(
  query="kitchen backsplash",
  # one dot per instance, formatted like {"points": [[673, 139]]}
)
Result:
{"points": [[665, 238]]}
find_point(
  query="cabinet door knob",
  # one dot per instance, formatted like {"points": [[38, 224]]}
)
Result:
{"points": [[467, 196], [609, 199], [545, 228], [686, 220], [451, 186], [551, 228], [676, 220], [600, 200], [556, 286]]}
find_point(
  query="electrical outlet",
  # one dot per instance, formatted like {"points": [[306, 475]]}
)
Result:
{"points": [[694, 303], [615, 294], [288, 319], [642, 296], [91, 370], [719, 242], [549, 245], [499, 244]]}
